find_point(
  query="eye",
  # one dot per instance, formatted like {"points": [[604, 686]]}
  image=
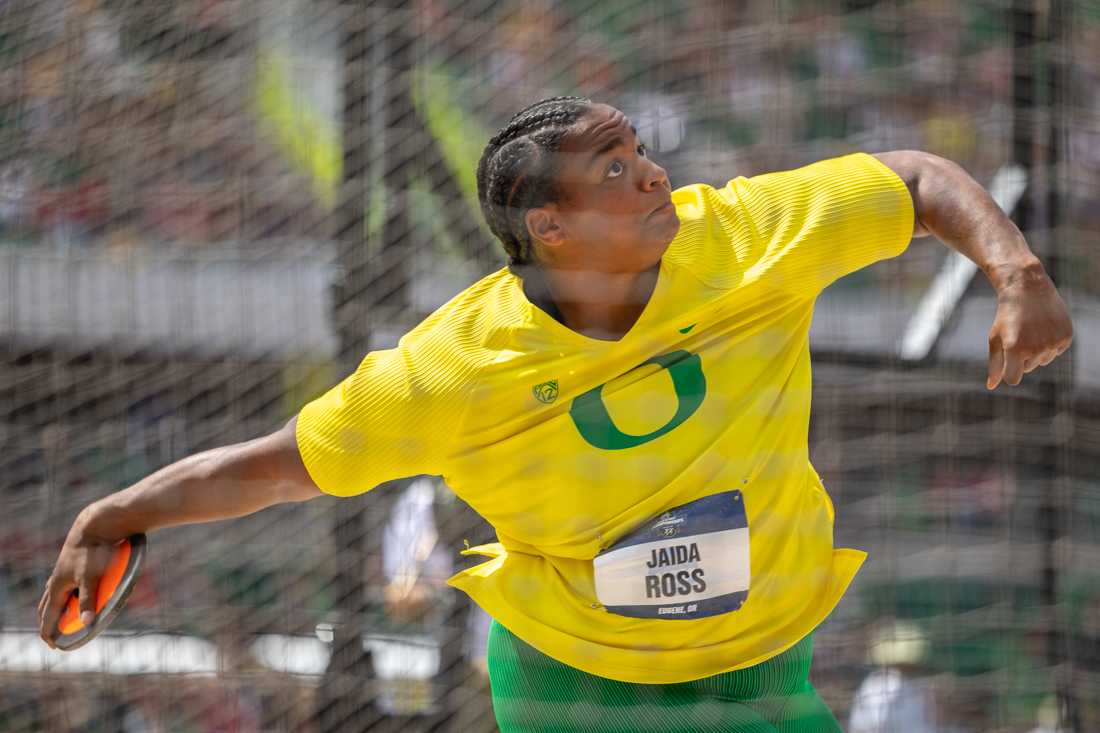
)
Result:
{"points": [[615, 170], [642, 150]]}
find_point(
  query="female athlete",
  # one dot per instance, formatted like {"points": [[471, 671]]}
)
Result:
{"points": [[628, 405]]}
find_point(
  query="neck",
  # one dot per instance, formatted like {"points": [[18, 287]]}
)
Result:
{"points": [[599, 305]]}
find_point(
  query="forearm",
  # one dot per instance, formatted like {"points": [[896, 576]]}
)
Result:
{"points": [[951, 205], [222, 483]]}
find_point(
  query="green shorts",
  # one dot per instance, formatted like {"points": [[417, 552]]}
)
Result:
{"points": [[532, 692]]}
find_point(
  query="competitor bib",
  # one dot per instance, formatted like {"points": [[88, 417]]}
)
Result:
{"points": [[690, 562]]}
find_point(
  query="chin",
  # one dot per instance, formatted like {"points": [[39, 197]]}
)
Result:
{"points": [[666, 241], [641, 252], [651, 254]]}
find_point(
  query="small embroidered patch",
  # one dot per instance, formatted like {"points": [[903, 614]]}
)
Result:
{"points": [[546, 392]]}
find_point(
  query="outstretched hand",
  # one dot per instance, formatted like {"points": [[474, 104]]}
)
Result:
{"points": [[1031, 329]]}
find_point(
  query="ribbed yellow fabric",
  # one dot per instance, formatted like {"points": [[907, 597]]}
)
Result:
{"points": [[481, 393]]}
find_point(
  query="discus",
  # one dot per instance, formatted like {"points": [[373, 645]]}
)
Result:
{"points": [[111, 594]]}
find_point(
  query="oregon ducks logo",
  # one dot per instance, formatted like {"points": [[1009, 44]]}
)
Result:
{"points": [[595, 425], [546, 392]]}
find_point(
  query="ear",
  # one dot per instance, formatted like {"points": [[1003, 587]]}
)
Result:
{"points": [[545, 226]]}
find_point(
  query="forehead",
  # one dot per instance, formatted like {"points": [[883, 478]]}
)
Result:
{"points": [[599, 125]]}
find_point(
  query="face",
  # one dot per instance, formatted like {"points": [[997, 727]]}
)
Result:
{"points": [[614, 213]]}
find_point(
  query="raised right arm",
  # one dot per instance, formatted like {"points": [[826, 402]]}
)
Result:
{"points": [[217, 484]]}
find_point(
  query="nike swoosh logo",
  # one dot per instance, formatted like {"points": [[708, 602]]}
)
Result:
{"points": [[686, 329]]}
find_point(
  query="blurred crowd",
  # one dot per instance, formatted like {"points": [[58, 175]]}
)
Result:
{"points": [[130, 123]]}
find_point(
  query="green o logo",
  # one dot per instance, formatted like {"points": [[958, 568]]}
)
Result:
{"points": [[595, 425]]}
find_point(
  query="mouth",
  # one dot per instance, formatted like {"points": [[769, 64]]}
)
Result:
{"points": [[666, 206]]}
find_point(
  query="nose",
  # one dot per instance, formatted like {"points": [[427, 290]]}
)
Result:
{"points": [[654, 176]]}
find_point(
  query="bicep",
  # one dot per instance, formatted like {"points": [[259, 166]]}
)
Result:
{"points": [[282, 459], [908, 166]]}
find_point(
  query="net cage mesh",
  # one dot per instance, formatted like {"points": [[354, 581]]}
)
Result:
{"points": [[210, 210]]}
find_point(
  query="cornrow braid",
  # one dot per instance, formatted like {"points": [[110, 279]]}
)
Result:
{"points": [[516, 171]]}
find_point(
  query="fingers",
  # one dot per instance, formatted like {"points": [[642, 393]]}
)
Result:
{"points": [[1050, 355], [1009, 365], [1010, 368], [1014, 368], [87, 602], [996, 364], [53, 601]]}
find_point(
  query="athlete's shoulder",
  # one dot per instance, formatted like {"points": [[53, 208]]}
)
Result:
{"points": [[849, 175], [475, 323], [711, 220], [721, 228]]}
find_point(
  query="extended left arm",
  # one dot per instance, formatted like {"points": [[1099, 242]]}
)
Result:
{"points": [[1032, 325]]}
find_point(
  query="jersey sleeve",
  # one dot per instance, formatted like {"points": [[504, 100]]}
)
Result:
{"points": [[393, 417], [806, 228]]}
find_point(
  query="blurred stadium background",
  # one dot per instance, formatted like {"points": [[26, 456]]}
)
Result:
{"points": [[211, 209]]}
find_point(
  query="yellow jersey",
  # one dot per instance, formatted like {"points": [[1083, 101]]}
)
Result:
{"points": [[657, 514]]}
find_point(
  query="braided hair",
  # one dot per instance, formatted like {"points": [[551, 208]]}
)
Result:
{"points": [[516, 171]]}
